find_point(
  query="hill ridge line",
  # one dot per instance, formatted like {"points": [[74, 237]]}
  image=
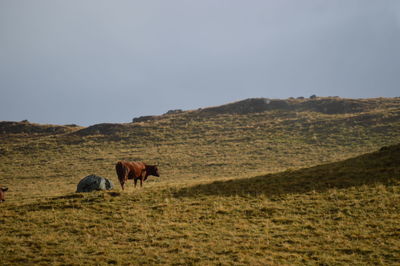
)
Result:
{"points": [[324, 105]]}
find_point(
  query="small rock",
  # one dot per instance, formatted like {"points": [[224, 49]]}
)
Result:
{"points": [[94, 182]]}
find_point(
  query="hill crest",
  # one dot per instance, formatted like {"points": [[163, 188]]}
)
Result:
{"points": [[325, 105], [25, 127]]}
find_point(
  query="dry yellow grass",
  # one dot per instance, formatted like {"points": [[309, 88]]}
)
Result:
{"points": [[309, 216], [232, 191]]}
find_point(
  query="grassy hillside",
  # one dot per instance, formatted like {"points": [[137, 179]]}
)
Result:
{"points": [[341, 213], [191, 145], [239, 184]]}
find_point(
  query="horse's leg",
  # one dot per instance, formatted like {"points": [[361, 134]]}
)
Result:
{"points": [[122, 181], [135, 180], [141, 182]]}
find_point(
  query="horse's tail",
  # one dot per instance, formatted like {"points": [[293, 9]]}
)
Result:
{"points": [[121, 173]]}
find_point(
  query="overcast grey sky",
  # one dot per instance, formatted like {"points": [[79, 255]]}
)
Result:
{"points": [[94, 61]]}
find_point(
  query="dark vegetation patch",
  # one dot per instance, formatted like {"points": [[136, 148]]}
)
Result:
{"points": [[25, 127], [104, 129]]}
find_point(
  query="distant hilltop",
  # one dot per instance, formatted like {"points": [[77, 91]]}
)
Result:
{"points": [[25, 127], [326, 105]]}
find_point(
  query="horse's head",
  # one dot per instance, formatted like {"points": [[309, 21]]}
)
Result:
{"points": [[152, 170]]}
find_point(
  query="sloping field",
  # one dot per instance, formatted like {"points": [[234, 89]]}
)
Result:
{"points": [[341, 213], [244, 183], [190, 146]]}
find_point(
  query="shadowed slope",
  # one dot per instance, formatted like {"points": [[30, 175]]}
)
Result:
{"points": [[382, 166]]}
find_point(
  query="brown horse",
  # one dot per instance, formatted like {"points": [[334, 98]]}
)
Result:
{"points": [[134, 170], [2, 190]]}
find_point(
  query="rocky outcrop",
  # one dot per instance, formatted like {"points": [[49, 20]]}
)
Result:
{"points": [[93, 183], [143, 118]]}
